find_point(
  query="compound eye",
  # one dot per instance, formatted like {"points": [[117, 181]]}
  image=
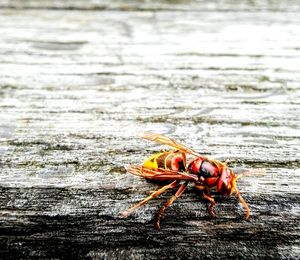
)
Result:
{"points": [[224, 184]]}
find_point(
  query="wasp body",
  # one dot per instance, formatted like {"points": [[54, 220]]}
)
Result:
{"points": [[207, 174]]}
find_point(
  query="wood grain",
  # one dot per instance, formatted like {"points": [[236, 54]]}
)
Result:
{"points": [[81, 79]]}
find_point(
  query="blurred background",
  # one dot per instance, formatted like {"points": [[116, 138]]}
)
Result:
{"points": [[79, 80]]}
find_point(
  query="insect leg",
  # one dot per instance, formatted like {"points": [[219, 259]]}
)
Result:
{"points": [[152, 196], [243, 202], [169, 203], [210, 208]]}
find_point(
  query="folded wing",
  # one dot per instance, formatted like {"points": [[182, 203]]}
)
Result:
{"points": [[160, 174]]}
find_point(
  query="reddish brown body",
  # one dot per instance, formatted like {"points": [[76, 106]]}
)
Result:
{"points": [[206, 174]]}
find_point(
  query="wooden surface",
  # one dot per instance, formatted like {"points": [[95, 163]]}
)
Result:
{"points": [[81, 79]]}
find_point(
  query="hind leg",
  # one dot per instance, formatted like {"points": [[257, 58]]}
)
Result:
{"points": [[169, 203], [152, 196]]}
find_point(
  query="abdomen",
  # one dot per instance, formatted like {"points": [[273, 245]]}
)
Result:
{"points": [[173, 160]]}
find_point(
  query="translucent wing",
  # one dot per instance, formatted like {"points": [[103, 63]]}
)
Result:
{"points": [[160, 174], [171, 142]]}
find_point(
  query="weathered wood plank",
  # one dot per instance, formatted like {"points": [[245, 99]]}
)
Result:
{"points": [[156, 5], [76, 88]]}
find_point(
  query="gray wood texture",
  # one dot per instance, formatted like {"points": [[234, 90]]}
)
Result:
{"points": [[79, 80]]}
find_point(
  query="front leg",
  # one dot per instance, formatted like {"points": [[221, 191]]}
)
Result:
{"points": [[210, 207]]}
